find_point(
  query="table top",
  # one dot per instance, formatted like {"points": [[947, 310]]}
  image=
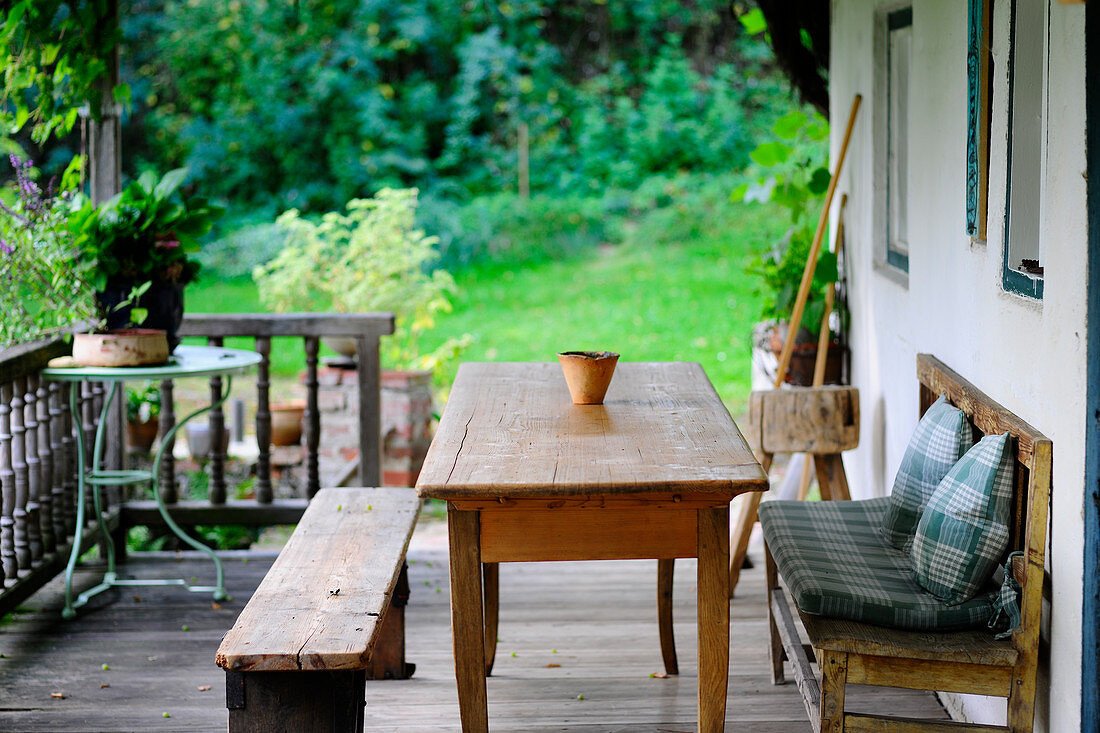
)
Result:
{"points": [[185, 361], [511, 430]]}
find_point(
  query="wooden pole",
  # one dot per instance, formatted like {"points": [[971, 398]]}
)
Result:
{"points": [[823, 344], [830, 297], [524, 162], [815, 249]]}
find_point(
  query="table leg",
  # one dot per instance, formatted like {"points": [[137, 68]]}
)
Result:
{"points": [[666, 570], [714, 617], [490, 574], [467, 620]]}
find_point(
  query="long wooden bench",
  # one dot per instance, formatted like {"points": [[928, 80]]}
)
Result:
{"points": [[328, 615], [968, 661]]}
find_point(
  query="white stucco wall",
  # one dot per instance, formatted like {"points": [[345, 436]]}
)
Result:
{"points": [[1028, 355]]}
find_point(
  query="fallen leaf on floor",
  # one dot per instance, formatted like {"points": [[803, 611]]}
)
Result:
{"points": [[105, 684], [553, 665], [659, 675], [137, 599], [216, 606], [57, 695], [204, 688], [152, 659]]}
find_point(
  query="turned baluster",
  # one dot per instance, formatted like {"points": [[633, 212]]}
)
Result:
{"points": [[216, 494], [312, 419], [19, 466], [34, 467], [7, 488], [60, 465], [167, 479], [88, 418], [70, 458], [45, 465], [264, 494]]}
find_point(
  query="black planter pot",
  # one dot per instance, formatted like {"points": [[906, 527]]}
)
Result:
{"points": [[163, 300]]}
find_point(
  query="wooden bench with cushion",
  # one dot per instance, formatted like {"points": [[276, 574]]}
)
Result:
{"points": [[868, 620], [328, 615]]}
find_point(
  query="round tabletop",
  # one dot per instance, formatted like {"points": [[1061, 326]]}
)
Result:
{"points": [[185, 361]]}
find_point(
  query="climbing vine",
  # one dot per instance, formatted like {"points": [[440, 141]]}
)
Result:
{"points": [[55, 57]]}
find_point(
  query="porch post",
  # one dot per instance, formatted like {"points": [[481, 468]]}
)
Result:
{"points": [[105, 180], [1090, 620]]}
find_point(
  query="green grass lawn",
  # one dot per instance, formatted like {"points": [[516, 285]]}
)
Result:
{"points": [[675, 289]]}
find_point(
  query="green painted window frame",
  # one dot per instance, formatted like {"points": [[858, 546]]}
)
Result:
{"points": [[1013, 280], [895, 20]]}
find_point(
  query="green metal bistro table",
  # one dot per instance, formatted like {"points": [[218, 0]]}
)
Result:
{"points": [[186, 361]]}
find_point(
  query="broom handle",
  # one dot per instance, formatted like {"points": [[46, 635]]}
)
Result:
{"points": [[815, 249]]}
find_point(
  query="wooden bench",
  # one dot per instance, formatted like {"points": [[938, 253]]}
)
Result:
{"points": [[971, 661], [328, 615]]}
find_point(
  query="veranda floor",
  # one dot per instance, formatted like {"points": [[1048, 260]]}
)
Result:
{"points": [[578, 652]]}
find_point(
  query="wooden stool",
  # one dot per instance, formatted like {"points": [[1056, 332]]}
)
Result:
{"points": [[820, 421]]}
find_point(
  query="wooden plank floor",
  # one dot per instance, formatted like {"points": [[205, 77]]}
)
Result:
{"points": [[578, 651]]}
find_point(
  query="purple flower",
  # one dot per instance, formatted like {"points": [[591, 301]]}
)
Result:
{"points": [[5, 247]]}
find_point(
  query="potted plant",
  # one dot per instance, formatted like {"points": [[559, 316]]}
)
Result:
{"points": [[136, 248], [142, 417], [795, 177]]}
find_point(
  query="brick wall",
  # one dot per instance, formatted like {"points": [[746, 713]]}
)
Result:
{"points": [[406, 423]]}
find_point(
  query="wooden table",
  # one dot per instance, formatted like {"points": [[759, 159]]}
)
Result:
{"points": [[528, 476]]}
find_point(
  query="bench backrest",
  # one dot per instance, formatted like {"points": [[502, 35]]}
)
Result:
{"points": [[1032, 483]]}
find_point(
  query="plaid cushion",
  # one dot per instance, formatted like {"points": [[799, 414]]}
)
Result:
{"points": [[963, 532], [835, 563], [942, 437]]}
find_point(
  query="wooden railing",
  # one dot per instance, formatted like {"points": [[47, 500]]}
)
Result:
{"points": [[263, 328], [37, 470], [37, 448]]}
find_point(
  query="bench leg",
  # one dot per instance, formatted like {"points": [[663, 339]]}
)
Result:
{"points": [[387, 661], [834, 677], [665, 573], [775, 641], [304, 702]]}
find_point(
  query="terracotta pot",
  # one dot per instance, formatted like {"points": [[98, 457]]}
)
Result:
{"points": [[141, 435], [800, 372], [588, 374], [286, 422], [124, 348]]}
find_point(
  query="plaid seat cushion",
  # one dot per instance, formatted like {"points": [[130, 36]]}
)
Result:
{"points": [[835, 563], [963, 533], [942, 436]]}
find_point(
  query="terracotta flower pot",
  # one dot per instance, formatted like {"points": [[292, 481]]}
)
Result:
{"points": [[588, 374], [141, 435], [123, 348], [286, 422]]}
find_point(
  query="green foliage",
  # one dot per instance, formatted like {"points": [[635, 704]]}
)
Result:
{"points": [[44, 284], [143, 404], [144, 233], [370, 259], [54, 54], [795, 176], [309, 104]]}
